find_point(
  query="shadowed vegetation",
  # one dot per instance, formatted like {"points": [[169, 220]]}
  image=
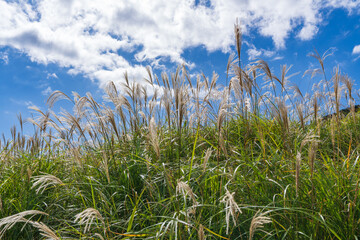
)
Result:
{"points": [[188, 159]]}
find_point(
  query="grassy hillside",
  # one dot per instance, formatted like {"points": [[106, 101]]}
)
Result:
{"points": [[189, 160]]}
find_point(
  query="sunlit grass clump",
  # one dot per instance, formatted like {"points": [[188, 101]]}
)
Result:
{"points": [[189, 159]]}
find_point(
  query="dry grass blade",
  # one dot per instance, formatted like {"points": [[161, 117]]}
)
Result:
{"points": [[87, 217], [231, 208], [297, 91], [229, 64], [309, 138], [321, 60], [111, 91], [99, 236], [337, 93], [349, 83], [55, 96], [201, 233], [42, 182], [297, 169], [282, 114], [261, 64], [8, 222], [238, 38], [312, 72], [105, 165], [258, 222], [206, 158], [221, 118], [153, 136], [300, 112]]}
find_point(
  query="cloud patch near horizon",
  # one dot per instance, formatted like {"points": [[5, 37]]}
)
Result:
{"points": [[93, 37]]}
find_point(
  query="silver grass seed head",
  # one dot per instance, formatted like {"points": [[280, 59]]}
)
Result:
{"points": [[258, 222], [42, 182], [87, 217], [231, 208], [184, 189], [7, 223], [45, 231]]}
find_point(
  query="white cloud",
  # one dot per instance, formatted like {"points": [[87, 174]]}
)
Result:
{"points": [[51, 75], [254, 53], [4, 57], [307, 32], [356, 49], [278, 58], [21, 102], [91, 37], [349, 5], [47, 91]]}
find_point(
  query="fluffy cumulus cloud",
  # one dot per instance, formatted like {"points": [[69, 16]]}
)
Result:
{"points": [[254, 53], [96, 37], [356, 50]]}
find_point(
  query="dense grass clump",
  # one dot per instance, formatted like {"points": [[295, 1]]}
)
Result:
{"points": [[178, 159]]}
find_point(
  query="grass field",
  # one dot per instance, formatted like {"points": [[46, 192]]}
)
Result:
{"points": [[189, 160]]}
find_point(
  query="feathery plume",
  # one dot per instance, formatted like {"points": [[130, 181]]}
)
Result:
{"points": [[184, 189], [45, 231], [231, 207], [87, 217], [7, 223], [42, 182], [257, 222]]}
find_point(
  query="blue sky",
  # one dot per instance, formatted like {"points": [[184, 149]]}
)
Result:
{"points": [[80, 45]]}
